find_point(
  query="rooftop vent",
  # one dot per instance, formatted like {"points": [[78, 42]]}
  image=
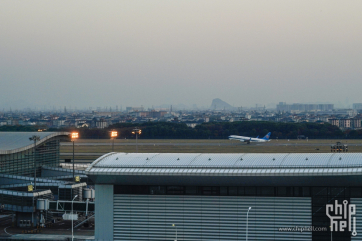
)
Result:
{"points": [[117, 158], [209, 159], [340, 158], [273, 159], [178, 159], [306, 159]]}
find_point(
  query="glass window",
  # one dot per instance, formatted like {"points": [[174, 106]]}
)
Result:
{"points": [[210, 190], [282, 191], [355, 191], [319, 191], [298, 191], [233, 191], [191, 190], [223, 191], [157, 190], [241, 191], [306, 191], [334, 191], [175, 190], [250, 191], [289, 191], [140, 190], [267, 191]]}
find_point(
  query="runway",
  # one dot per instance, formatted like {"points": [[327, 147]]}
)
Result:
{"points": [[205, 144]]}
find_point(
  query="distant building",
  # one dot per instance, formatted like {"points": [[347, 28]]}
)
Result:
{"points": [[283, 106], [346, 123], [105, 113], [131, 109], [334, 122], [356, 123], [357, 106], [157, 114], [101, 123], [340, 112]]}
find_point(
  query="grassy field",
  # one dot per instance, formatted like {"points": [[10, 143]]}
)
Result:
{"points": [[204, 146]]}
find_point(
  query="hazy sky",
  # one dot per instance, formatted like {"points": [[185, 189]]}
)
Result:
{"points": [[132, 53]]}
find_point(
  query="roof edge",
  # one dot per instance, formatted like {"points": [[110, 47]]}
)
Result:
{"points": [[54, 134]]}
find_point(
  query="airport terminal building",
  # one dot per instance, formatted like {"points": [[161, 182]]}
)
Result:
{"points": [[152, 196], [20, 160], [17, 151]]}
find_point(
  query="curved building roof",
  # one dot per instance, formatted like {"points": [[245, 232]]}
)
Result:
{"points": [[12, 142], [226, 164], [208, 168], [212, 160]]}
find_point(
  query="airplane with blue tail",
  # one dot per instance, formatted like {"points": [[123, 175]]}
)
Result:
{"points": [[250, 139]]}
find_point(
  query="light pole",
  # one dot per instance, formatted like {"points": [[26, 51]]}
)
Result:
{"points": [[137, 132], [35, 139], [114, 135], [73, 216], [173, 225], [74, 136], [247, 222]]}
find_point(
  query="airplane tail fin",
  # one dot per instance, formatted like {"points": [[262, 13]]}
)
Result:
{"points": [[267, 136]]}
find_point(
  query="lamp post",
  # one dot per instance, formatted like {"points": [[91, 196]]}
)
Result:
{"points": [[74, 136], [173, 225], [35, 139], [73, 216], [137, 132], [247, 222], [114, 135]]}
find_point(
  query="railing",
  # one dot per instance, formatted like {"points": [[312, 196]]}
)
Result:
{"points": [[80, 222]]}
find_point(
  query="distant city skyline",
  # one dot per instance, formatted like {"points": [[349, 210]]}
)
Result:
{"points": [[132, 53], [115, 107]]}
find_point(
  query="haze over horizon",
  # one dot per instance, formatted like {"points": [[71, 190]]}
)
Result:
{"points": [[133, 53]]}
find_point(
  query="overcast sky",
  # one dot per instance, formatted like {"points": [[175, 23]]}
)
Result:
{"points": [[132, 53]]}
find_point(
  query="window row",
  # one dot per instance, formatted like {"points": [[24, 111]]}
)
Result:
{"points": [[241, 191]]}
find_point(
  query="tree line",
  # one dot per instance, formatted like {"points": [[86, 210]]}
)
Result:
{"points": [[213, 130]]}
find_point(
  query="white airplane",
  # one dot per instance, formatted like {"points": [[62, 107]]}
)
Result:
{"points": [[250, 139]]}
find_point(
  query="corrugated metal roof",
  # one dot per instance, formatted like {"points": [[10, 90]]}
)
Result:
{"points": [[17, 141], [242, 160], [227, 171]]}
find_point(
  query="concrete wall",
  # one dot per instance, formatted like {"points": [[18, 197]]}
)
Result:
{"points": [[104, 212]]}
